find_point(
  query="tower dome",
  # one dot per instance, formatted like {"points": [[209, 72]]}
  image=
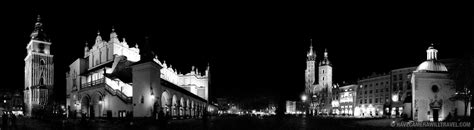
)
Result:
{"points": [[431, 64]]}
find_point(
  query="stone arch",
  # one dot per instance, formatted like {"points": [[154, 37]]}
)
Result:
{"points": [[86, 105], [188, 108], [98, 104], [165, 102], [193, 111], [181, 106], [174, 105]]}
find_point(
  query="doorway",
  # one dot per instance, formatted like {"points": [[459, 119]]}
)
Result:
{"points": [[435, 115]]}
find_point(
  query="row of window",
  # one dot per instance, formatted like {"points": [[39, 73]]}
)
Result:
{"points": [[376, 100]]}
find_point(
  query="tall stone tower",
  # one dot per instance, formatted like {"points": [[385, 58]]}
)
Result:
{"points": [[39, 70], [325, 72], [310, 67]]}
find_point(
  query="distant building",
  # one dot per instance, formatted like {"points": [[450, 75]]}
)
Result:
{"points": [[11, 101], [319, 93], [373, 94], [39, 71], [347, 100], [401, 90], [290, 107]]}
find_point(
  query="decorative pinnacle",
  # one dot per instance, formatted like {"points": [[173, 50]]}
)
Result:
{"points": [[38, 18]]}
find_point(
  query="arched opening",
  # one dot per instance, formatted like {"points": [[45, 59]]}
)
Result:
{"points": [[98, 105], [86, 106], [165, 103], [174, 106], [181, 107]]}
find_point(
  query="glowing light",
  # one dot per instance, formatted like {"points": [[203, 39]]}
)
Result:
{"points": [[395, 98], [304, 97]]}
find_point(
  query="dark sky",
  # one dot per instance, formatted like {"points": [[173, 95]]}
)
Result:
{"points": [[252, 51]]}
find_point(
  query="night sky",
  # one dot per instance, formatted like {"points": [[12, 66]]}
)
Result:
{"points": [[252, 51]]}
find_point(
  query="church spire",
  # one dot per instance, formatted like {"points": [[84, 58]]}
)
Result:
{"points": [[325, 60], [38, 33], [311, 54]]}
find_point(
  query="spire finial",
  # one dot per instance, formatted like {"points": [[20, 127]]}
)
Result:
{"points": [[113, 28], [325, 52], [98, 32], [38, 18]]}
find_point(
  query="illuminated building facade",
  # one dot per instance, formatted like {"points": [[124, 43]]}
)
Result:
{"points": [[115, 80], [373, 94], [347, 99], [11, 101], [39, 71], [319, 92], [401, 90]]}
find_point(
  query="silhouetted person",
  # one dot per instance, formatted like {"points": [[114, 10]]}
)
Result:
{"points": [[4, 120], [13, 121], [161, 120], [205, 120], [448, 118]]}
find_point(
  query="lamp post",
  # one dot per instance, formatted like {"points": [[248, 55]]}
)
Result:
{"points": [[303, 99]]}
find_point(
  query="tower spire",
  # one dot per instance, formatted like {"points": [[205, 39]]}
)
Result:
{"points": [[38, 33], [325, 53], [311, 55], [325, 60]]}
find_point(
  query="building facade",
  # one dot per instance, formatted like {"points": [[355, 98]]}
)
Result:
{"points": [[11, 101], [114, 80], [347, 99], [39, 71], [373, 94]]}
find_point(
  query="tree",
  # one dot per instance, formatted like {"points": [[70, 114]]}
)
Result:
{"points": [[463, 76]]}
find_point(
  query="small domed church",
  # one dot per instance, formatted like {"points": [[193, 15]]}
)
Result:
{"points": [[432, 89]]}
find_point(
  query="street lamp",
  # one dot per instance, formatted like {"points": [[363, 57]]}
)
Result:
{"points": [[304, 98]]}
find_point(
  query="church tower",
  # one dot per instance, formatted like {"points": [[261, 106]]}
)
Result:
{"points": [[39, 68], [325, 72], [310, 66]]}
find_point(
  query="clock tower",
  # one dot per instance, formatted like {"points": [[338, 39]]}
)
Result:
{"points": [[39, 70]]}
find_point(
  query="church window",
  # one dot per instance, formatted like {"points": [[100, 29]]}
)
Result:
{"points": [[370, 92], [435, 88], [400, 76], [376, 100], [42, 62], [323, 71], [142, 100]]}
